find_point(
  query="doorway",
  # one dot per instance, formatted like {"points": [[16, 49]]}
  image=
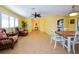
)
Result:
{"points": [[35, 24]]}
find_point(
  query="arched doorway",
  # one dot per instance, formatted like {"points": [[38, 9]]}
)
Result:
{"points": [[35, 24]]}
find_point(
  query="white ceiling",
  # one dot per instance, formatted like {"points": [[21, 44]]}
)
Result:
{"points": [[26, 10]]}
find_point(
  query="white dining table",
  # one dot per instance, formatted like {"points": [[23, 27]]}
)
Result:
{"points": [[68, 35]]}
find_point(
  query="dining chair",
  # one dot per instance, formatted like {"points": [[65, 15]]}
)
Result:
{"points": [[56, 38], [75, 40]]}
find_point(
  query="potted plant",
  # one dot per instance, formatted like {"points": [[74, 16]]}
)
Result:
{"points": [[24, 24]]}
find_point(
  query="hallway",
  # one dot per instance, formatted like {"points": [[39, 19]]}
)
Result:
{"points": [[35, 43]]}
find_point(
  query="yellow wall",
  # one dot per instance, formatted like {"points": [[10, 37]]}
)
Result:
{"points": [[29, 24], [50, 22], [42, 25], [5, 10], [46, 23], [73, 27], [20, 20]]}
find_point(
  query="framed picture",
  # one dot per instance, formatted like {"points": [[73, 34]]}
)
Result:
{"points": [[72, 21]]}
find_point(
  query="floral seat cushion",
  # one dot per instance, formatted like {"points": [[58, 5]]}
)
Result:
{"points": [[3, 35], [6, 41], [14, 37]]}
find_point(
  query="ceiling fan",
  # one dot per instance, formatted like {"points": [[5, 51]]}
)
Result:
{"points": [[35, 14]]}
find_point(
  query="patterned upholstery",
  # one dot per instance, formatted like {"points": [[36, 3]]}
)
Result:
{"points": [[14, 37], [2, 34], [22, 31], [7, 41], [0, 30]]}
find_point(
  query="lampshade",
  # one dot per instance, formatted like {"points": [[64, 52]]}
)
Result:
{"points": [[73, 14], [73, 11]]}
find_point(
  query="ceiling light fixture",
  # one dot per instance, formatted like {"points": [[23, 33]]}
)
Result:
{"points": [[73, 12], [35, 13]]}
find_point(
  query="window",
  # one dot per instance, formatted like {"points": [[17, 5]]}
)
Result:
{"points": [[16, 22], [4, 21], [8, 21], [12, 22]]}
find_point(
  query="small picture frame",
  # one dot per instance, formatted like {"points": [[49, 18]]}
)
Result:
{"points": [[72, 21]]}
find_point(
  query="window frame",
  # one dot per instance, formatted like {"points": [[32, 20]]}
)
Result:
{"points": [[15, 17]]}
